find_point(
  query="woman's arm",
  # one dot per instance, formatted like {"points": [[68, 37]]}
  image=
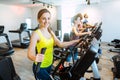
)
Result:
{"points": [[82, 29], [63, 44], [79, 33], [84, 33], [31, 49], [88, 25]]}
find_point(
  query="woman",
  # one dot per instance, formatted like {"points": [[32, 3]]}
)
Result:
{"points": [[86, 23], [77, 32], [44, 37]]}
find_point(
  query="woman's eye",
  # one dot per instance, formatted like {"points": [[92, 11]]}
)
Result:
{"points": [[43, 18], [48, 18]]}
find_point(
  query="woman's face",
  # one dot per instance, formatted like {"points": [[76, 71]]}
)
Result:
{"points": [[79, 23], [78, 20], [44, 20]]}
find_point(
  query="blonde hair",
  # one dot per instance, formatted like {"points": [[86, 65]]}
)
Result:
{"points": [[85, 15], [76, 16]]}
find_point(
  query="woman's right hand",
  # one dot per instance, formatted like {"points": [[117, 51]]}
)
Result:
{"points": [[39, 57], [89, 32]]}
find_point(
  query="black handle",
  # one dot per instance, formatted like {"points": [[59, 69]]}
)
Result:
{"points": [[39, 63]]}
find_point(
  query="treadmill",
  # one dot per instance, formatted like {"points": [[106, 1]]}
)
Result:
{"points": [[5, 50], [21, 43]]}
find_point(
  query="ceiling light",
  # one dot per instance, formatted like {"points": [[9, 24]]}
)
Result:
{"points": [[37, 1], [33, 2], [88, 2], [47, 6]]}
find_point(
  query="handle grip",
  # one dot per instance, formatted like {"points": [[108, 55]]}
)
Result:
{"points": [[39, 63]]}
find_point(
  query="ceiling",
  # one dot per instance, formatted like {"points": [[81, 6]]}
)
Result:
{"points": [[50, 2]]}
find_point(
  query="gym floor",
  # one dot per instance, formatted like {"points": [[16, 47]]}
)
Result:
{"points": [[23, 65]]}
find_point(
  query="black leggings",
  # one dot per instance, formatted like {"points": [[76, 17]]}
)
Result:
{"points": [[43, 74]]}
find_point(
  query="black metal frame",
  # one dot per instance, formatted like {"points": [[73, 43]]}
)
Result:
{"points": [[21, 43], [6, 51]]}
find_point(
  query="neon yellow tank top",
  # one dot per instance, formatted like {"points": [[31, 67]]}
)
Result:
{"points": [[48, 43]]}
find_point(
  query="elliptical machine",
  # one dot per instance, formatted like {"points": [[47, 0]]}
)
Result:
{"points": [[78, 69]]}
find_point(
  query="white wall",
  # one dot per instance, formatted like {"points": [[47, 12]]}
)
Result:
{"points": [[59, 12], [107, 12], [111, 22], [11, 17]]}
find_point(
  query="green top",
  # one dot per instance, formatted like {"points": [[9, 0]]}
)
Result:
{"points": [[45, 43]]}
